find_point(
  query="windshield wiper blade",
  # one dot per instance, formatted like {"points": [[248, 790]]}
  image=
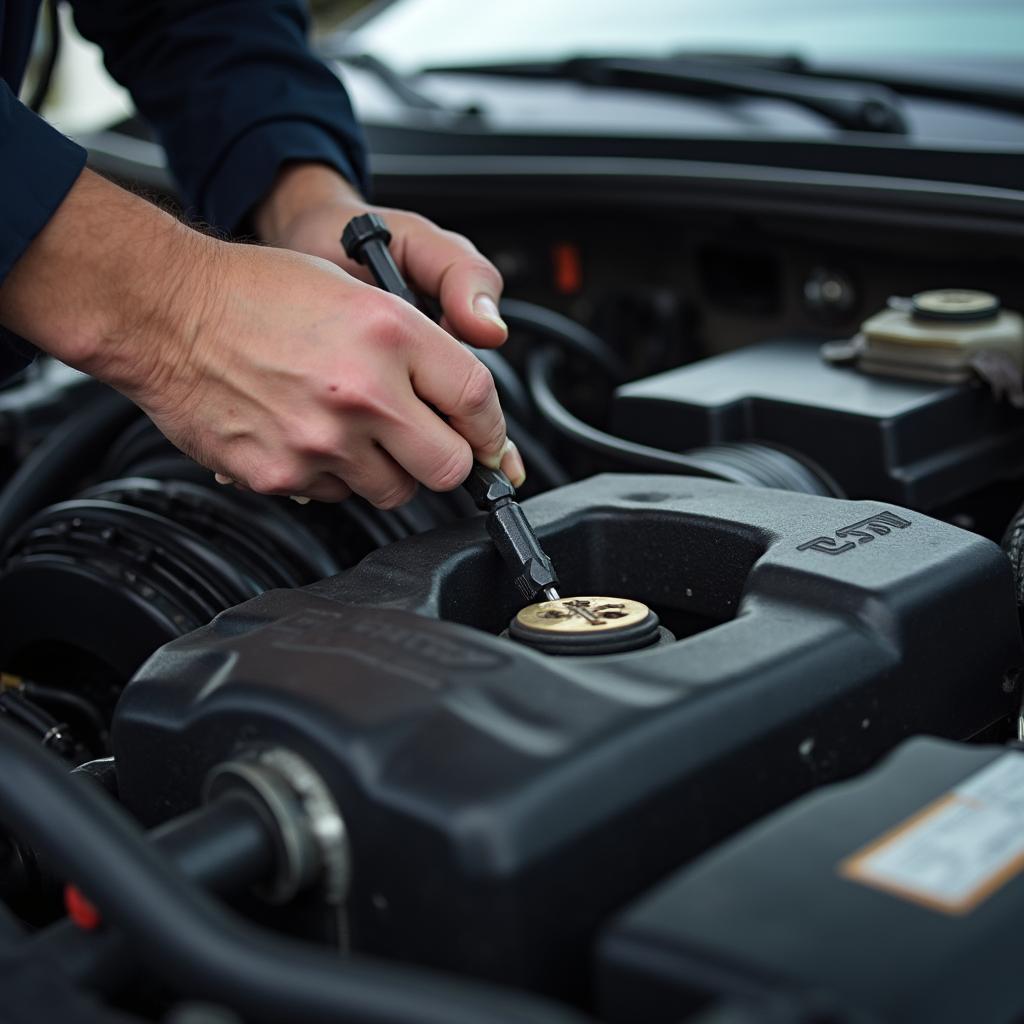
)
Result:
{"points": [[853, 105], [995, 96]]}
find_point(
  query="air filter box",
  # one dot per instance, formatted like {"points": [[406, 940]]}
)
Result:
{"points": [[892, 899], [914, 443]]}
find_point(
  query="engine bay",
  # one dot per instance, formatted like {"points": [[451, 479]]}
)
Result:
{"points": [[422, 801]]}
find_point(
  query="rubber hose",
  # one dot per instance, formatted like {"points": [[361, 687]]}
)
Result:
{"points": [[540, 369], [752, 464], [539, 462], [515, 401], [514, 397], [225, 847], [769, 465], [567, 334], [202, 950], [53, 468]]}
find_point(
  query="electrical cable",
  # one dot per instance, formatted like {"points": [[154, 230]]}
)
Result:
{"points": [[567, 334], [198, 947], [52, 734], [24, 711], [83, 708]]}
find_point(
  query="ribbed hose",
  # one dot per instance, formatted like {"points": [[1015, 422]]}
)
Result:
{"points": [[1013, 545], [764, 465], [196, 946]]}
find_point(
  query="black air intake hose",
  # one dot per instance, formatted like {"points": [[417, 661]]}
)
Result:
{"points": [[743, 463], [765, 465], [197, 947]]}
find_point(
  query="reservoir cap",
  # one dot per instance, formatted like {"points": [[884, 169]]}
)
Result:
{"points": [[954, 304]]}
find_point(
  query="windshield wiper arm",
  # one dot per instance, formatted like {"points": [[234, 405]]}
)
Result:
{"points": [[856, 106], [398, 84], [401, 85]]}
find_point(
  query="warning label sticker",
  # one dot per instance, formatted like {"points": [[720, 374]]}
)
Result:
{"points": [[957, 851]]}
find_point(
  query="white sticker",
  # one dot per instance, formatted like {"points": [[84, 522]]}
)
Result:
{"points": [[956, 851]]}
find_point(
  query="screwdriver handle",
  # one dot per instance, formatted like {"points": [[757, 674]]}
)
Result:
{"points": [[366, 239]]}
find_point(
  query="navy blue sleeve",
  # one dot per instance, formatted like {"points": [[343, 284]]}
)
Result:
{"points": [[38, 166], [232, 91]]}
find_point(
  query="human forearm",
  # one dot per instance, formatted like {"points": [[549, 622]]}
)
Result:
{"points": [[298, 188], [111, 284]]}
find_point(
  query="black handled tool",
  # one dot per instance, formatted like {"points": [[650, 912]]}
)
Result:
{"points": [[366, 239]]}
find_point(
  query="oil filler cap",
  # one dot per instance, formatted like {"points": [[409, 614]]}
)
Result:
{"points": [[586, 625]]}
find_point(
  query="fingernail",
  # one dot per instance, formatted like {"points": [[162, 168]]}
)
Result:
{"points": [[485, 307], [512, 464], [222, 479], [299, 499]]}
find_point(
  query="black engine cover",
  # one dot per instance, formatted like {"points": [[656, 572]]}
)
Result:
{"points": [[501, 802]]}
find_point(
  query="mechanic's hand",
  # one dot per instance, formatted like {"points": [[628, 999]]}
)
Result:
{"points": [[275, 369], [294, 378], [308, 208]]}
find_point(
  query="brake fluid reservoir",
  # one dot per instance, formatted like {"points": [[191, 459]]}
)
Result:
{"points": [[946, 336]]}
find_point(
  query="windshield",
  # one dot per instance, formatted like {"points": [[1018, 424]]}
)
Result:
{"points": [[411, 34]]}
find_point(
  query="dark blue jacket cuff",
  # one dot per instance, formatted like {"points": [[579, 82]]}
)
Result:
{"points": [[38, 166], [248, 170]]}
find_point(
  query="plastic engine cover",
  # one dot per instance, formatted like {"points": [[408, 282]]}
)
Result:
{"points": [[501, 802], [917, 444]]}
